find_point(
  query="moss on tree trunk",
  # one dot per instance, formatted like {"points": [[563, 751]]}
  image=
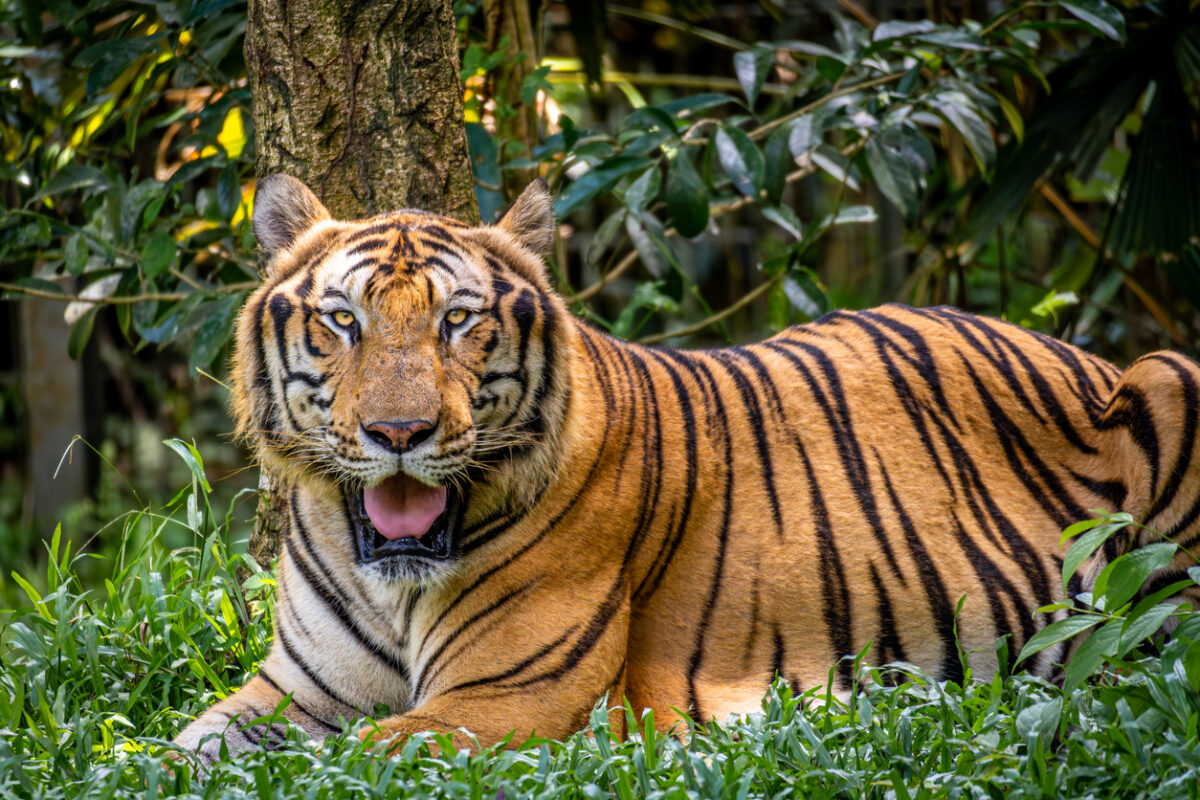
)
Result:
{"points": [[362, 101]]}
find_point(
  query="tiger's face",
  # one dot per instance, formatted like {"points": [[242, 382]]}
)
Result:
{"points": [[397, 361]]}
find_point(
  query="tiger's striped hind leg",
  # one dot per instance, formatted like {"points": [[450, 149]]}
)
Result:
{"points": [[1152, 421], [230, 720]]}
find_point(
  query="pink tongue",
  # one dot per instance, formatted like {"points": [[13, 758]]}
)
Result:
{"points": [[401, 506]]}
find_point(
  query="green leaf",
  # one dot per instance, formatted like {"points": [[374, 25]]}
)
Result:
{"points": [[831, 68], [535, 82], [1039, 719], [647, 235], [741, 160], [959, 111], [191, 457], [1083, 547], [75, 254], [40, 284], [596, 181], [1091, 654], [895, 28], [1137, 629], [686, 195], [81, 331], [190, 170], [804, 293], [168, 326], [603, 238], [897, 169], [806, 133], [786, 218], [485, 167], [687, 106], [648, 296], [648, 142], [106, 60], [570, 133], [832, 161], [1160, 201], [779, 308], [214, 333], [1057, 632], [1076, 528], [1053, 302], [649, 118], [158, 255], [229, 192], [72, 178], [777, 162], [1123, 578], [854, 215], [1011, 114], [644, 190], [1102, 17], [752, 68], [134, 204]]}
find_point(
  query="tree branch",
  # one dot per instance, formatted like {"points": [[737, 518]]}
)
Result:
{"points": [[743, 301]]}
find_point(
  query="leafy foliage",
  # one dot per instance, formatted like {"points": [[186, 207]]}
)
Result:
{"points": [[1118, 613], [94, 684], [129, 152], [128, 141]]}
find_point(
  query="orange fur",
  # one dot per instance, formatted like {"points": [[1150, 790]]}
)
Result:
{"points": [[678, 527]]}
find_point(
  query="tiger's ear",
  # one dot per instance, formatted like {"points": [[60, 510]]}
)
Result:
{"points": [[284, 208], [530, 219]]}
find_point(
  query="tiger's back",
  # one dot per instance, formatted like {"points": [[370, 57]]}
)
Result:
{"points": [[676, 526]]}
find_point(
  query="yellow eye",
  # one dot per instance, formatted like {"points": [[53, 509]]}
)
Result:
{"points": [[344, 318], [457, 316]]}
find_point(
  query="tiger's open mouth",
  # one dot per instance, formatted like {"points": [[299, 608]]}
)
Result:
{"points": [[402, 518]]}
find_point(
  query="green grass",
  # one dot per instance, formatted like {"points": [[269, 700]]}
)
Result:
{"points": [[93, 685]]}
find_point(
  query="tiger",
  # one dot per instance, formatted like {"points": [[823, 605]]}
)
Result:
{"points": [[498, 514]]}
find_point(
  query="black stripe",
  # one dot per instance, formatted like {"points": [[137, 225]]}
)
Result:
{"points": [[427, 675], [1188, 439], [333, 596], [299, 660], [378, 228], [890, 647], [1134, 415], [675, 533], [365, 245], [837, 416], [931, 581], [262, 673], [1011, 438], [758, 428], [1045, 393], [710, 391]]}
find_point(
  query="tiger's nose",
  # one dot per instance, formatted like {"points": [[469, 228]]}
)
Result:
{"points": [[399, 436]]}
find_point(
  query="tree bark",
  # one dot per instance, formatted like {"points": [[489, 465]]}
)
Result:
{"points": [[362, 101]]}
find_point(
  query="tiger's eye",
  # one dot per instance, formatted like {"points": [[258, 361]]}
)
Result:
{"points": [[456, 316], [343, 318]]}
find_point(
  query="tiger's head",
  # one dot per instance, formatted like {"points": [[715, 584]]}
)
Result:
{"points": [[405, 362]]}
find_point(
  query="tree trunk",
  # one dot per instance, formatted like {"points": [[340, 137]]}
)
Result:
{"points": [[362, 101]]}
